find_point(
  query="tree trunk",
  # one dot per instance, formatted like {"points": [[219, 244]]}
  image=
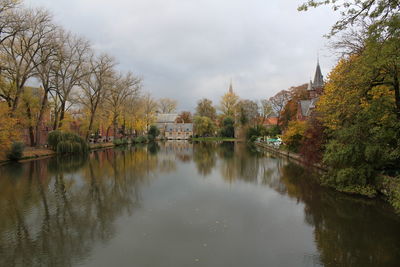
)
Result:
{"points": [[115, 125], [40, 117], [108, 132], [90, 126], [16, 100], [396, 87], [55, 124], [31, 130], [62, 114]]}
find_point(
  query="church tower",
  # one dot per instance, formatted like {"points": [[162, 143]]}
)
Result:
{"points": [[230, 88], [318, 78], [316, 87]]}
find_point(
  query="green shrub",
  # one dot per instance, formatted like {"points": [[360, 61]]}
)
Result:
{"points": [[228, 128], [254, 132], [153, 133], [274, 131], [63, 142], [120, 141], [141, 140], [17, 149]]}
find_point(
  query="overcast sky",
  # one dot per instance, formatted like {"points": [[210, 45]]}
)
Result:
{"points": [[191, 49]]}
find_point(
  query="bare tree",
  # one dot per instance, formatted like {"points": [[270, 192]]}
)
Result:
{"points": [[279, 101], [20, 52], [69, 71], [96, 85], [124, 88], [248, 111], [9, 19], [150, 107], [265, 109], [47, 56], [167, 105]]}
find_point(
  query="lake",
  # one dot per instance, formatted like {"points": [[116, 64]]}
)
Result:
{"points": [[182, 204]]}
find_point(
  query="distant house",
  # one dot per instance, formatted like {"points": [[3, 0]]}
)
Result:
{"points": [[171, 130], [271, 121], [315, 89]]}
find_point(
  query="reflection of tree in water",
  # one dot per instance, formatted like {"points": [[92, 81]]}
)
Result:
{"points": [[238, 161], [204, 157], [347, 230], [153, 148], [54, 220], [67, 164]]}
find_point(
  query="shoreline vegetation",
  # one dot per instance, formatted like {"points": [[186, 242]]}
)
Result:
{"points": [[385, 187]]}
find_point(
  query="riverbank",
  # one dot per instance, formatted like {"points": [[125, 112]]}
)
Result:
{"points": [[388, 188], [291, 155], [31, 153]]}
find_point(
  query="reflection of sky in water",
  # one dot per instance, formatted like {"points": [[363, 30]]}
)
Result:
{"points": [[178, 204]]}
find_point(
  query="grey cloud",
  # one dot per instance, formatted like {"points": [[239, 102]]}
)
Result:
{"points": [[189, 49]]}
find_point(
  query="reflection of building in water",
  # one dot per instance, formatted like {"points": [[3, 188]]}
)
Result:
{"points": [[182, 149], [172, 130]]}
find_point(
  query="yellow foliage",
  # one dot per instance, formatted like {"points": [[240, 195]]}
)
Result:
{"points": [[139, 125], [228, 104], [8, 129], [342, 95], [348, 92], [294, 134]]}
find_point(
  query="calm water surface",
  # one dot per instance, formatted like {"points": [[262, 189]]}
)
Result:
{"points": [[178, 204]]}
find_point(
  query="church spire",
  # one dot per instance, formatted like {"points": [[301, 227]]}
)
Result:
{"points": [[231, 87], [318, 78]]}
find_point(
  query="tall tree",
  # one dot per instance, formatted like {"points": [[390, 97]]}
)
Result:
{"points": [[248, 111], [362, 126], [20, 51], [204, 126], [124, 88], [205, 108], [96, 85], [70, 69], [47, 56], [279, 101], [150, 107], [266, 109], [228, 104]]}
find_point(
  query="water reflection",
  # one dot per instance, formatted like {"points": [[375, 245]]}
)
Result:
{"points": [[55, 211]]}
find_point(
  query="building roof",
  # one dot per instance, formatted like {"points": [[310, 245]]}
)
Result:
{"points": [[271, 121], [166, 118], [305, 105]]}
